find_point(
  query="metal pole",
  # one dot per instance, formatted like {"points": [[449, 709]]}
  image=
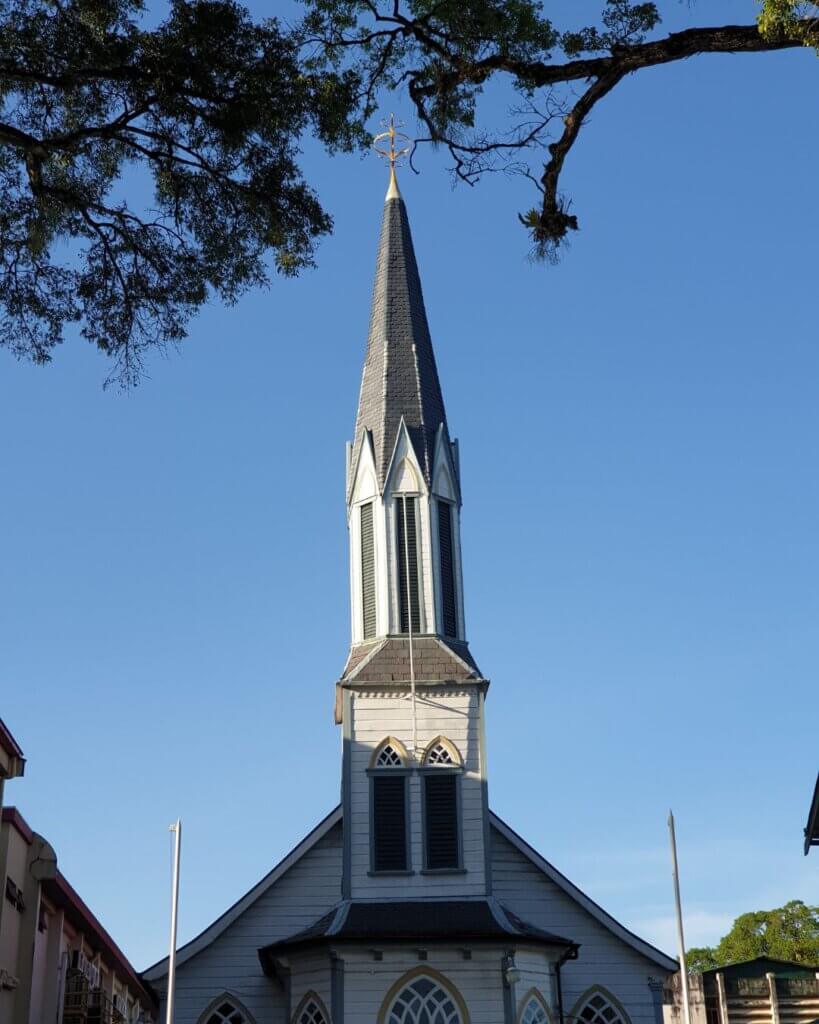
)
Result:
{"points": [[409, 630], [177, 829], [680, 937]]}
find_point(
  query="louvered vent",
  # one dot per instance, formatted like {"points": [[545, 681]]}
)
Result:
{"points": [[441, 820], [407, 544], [448, 613], [367, 571], [389, 823]]}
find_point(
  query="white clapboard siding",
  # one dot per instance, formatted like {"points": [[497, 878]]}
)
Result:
{"points": [[604, 959], [231, 963], [454, 715]]}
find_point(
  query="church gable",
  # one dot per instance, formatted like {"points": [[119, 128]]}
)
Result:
{"points": [[610, 956], [224, 958]]}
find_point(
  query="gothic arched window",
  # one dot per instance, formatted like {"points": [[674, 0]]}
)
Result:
{"points": [[226, 1009], [533, 1009], [441, 780], [598, 1006], [424, 1000], [311, 1010], [389, 772]]}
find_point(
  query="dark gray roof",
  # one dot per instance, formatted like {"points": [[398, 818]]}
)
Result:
{"points": [[400, 377], [416, 921], [812, 827], [435, 660]]}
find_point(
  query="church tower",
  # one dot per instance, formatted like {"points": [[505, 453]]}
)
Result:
{"points": [[411, 697]]}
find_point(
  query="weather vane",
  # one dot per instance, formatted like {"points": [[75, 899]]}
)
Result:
{"points": [[393, 153]]}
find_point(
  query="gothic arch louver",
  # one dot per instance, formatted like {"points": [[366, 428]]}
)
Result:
{"points": [[311, 1010], [389, 841], [443, 752], [390, 753], [423, 996], [226, 1009], [533, 1009], [598, 1006]]}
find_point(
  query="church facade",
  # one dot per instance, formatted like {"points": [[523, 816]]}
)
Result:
{"points": [[412, 903]]}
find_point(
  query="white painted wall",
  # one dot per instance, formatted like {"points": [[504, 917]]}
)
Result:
{"points": [[230, 963], [454, 714], [604, 959]]}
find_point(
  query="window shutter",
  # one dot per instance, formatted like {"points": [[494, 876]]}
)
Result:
{"points": [[389, 823], [367, 570], [449, 614], [410, 541], [441, 819]]}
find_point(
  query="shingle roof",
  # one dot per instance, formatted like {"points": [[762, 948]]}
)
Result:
{"points": [[416, 921], [435, 660], [400, 376]]}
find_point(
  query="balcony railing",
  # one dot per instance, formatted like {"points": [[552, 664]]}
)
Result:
{"points": [[84, 1005]]}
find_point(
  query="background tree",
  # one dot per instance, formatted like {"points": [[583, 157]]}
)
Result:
{"points": [[786, 933], [209, 107], [144, 168]]}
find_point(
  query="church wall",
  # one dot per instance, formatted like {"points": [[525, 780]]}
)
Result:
{"points": [[310, 973], [536, 972], [603, 959], [230, 963], [367, 982], [454, 715]]}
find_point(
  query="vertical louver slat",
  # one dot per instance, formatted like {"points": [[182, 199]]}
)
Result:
{"points": [[367, 571], [445, 546], [403, 543], [389, 823], [441, 820]]}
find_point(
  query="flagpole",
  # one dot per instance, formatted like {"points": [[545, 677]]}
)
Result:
{"points": [[177, 829], [678, 904]]}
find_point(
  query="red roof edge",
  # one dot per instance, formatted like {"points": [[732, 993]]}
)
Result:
{"points": [[62, 894], [9, 743], [16, 820]]}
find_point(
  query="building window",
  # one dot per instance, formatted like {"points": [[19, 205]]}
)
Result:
{"points": [[389, 848], [534, 1009], [225, 1010], [406, 543], [365, 513], [424, 1001], [441, 780], [311, 1011], [446, 548], [597, 1006]]}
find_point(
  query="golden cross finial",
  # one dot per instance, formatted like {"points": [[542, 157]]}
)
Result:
{"points": [[392, 154]]}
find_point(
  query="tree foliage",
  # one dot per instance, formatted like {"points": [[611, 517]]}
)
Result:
{"points": [[786, 933], [143, 168], [211, 106]]}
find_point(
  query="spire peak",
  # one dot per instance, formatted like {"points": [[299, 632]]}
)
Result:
{"points": [[391, 153]]}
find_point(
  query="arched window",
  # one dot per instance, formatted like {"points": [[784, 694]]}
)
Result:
{"points": [[533, 1009], [441, 771], [423, 999], [226, 1009], [598, 1006], [311, 1010], [389, 771]]}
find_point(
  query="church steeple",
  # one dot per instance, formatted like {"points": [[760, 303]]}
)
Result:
{"points": [[403, 491], [400, 376]]}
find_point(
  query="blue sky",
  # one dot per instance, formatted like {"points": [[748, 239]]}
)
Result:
{"points": [[173, 609]]}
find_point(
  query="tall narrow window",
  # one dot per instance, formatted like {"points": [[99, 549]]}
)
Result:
{"points": [[388, 808], [406, 542], [441, 779], [367, 570], [445, 548]]}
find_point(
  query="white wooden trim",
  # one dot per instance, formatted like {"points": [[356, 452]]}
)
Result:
{"points": [[204, 939], [588, 904]]}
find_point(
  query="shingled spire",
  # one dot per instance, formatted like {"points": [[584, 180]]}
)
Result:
{"points": [[400, 377]]}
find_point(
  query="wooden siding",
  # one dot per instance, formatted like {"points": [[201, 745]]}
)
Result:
{"points": [[367, 982], [454, 715], [604, 959], [230, 963]]}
